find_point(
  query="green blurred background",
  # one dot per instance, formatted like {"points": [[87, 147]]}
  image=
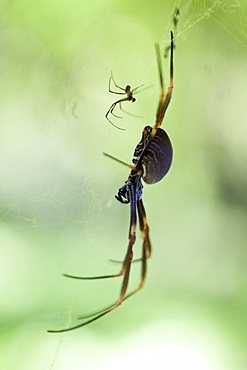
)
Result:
{"points": [[57, 207]]}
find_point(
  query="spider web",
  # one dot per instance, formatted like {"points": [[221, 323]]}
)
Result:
{"points": [[57, 190]]}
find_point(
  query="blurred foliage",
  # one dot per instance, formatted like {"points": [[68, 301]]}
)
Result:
{"points": [[57, 207]]}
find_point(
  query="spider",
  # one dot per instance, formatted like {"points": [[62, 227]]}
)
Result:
{"points": [[175, 19], [129, 97], [151, 162]]}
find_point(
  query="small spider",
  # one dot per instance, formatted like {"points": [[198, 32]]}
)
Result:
{"points": [[175, 19], [129, 97], [151, 162]]}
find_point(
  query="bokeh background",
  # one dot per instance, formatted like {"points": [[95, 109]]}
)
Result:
{"points": [[57, 208]]}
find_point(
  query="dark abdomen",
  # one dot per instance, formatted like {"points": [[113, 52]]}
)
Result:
{"points": [[158, 158]]}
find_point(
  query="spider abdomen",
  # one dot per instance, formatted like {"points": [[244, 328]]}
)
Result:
{"points": [[157, 159]]}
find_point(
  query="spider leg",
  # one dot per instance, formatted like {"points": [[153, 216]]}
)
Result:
{"points": [[137, 88], [115, 114], [161, 102], [144, 227], [146, 253], [105, 308], [144, 232], [170, 88], [121, 272], [164, 102], [120, 299], [111, 109], [138, 172], [125, 111], [119, 128], [114, 105], [119, 87], [118, 261], [126, 265], [146, 245]]}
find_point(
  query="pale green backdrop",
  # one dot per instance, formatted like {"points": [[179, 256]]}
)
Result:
{"points": [[57, 208]]}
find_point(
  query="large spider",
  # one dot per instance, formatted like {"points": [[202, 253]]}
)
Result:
{"points": [[152, 160]]}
